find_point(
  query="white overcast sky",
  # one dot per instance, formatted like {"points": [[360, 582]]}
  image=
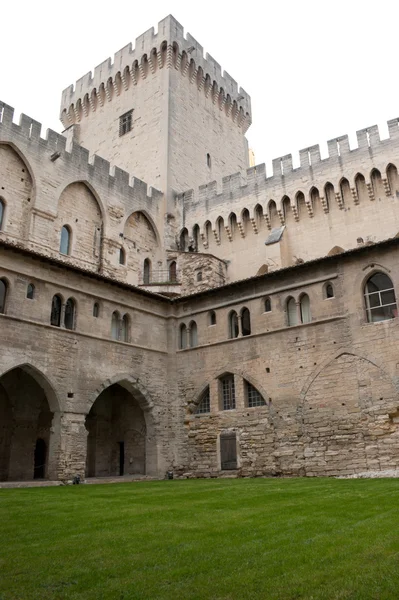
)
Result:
{"points": [[314, 70]]}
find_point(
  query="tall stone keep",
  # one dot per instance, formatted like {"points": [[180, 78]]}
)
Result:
{"points": [[162, 111]]}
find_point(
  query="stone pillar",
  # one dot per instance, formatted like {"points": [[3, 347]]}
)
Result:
{"points": [[62, 315], [239, 392], [188, 337], [298, 312], [239, 325], [214, 388], [72, 444]]}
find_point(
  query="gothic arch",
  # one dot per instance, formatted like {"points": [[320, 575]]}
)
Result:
{"points": [[66, 183], [150, 221], [40, 378], [131, 384], [27, 164]]}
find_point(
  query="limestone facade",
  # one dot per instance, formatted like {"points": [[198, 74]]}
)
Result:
{"points": [[229, 330]]}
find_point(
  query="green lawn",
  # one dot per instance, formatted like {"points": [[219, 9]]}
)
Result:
{"points": [[207, 539]]}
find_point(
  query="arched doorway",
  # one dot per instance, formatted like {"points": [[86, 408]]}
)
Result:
{"points": [[25, 424], [117, 432]]}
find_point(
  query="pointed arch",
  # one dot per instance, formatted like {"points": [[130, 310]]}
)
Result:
{"points": [[361, 187]]}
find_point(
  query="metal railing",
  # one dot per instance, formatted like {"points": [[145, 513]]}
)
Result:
{"points": [[162, 277]]}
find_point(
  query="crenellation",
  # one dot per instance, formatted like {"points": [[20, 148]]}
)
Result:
{"points": [[30, 127]]}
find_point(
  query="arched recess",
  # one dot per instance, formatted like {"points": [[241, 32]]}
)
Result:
{"points": [[140, 238], [80, 207], [27, 406], [121, 431], [345, 404], [335, 250], [19, 197]]}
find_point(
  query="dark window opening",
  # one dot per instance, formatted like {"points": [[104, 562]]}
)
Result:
{"points": [[96, 309], [30, 291], [245, 322], [212, 318], [329, 291], [268, 305], [55, 318], [208, 160], [228, 392], [122, 256], [125, 123], [69, 319]]}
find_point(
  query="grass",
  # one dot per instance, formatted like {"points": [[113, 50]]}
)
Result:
{"points": [[277, 539]]}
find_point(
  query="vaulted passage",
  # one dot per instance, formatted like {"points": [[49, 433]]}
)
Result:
{"points": [[25, 422], [116, 443]]}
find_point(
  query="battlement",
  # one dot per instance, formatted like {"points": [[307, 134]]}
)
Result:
{"points": [[58, 148], [167, 48], [285, 181]]}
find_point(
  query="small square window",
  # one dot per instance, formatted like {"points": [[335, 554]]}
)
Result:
{"points": [[125, 123]]}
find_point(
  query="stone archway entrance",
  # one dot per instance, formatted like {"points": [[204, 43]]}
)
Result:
{"points": [[116, 442], [25, 423]]}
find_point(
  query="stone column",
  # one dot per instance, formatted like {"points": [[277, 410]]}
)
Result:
{"points": [[239, 325], [298, 312], [239, 392]]}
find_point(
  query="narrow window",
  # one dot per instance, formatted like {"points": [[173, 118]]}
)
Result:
{"points": [[182, 337], [193, 334], [115, 325], [96, 309], [3, 295], [125, 328], [122, 256], [292, 312], [305, 309], [173, 271], [208, 160], [253, 397], [1, 213], [228, 392], [228, 451], [329, 291], [233, 325], [30, 291], [199, 276], [65, 243], [379, 297], [268, 305], [245, 322], [212, 317], [204, 405], [125, 123], [69, 319], [147, 271], [56, 304]]}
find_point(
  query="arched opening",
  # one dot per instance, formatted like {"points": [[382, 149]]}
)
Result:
{"points": [[183, 244], [173, 271], [70, 309], [96, 310], [233, 325], [115, 325], [65, 242], [376, 182], [196, 237], [292, 314], [304, 305], [212, 317], [221, 230], [267, 305], [379, 298], [245, 321], [345, 191], [245, 220], [259, 219], [125, 327], [25, 426], [116, 441], [3, 295], [30, 291], [315, 200], [329, 195], [122, 256], [392, 176], [147, 271], [182, 337], [233, 224], [301, 204], [204, 402], [193, 334], [56, 305], [263, 270], [286, 202], [273, 215], [361, 188]]}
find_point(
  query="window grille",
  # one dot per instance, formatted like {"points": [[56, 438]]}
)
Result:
{"points": [[125, 123], [254, 398], [228, 393], [379, 297], [204, 405]]}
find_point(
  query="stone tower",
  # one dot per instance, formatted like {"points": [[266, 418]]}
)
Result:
{"points": [[162, 112]]}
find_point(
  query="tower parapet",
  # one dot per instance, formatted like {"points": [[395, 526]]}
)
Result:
{"points": [[167, 48]]}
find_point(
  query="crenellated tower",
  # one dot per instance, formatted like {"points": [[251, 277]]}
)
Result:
{"points": [[162, 111]]}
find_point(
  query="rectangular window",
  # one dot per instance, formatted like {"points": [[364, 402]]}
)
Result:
{"points": [[253, 396], [228, 451], [125, 122], [228, 393]]}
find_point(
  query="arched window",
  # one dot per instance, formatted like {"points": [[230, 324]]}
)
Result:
{"points": [[173, 271], [345, 191], [361, 188], [56, 305], [182, 337], [329, 195], [196, 236], [304, 305], [245, 322], [392, 176], [208, 160], [292, 315], [376, 182], [204, 404], [3, 295], [147, 271], [329, 291], [30, 291], [115, 325], [268, 305], [273, 214], [2, 207], [232, 223], [69, 319], [252, 397], [199, 275], [301, 204], [193, 334], [96, 309], [245, 220], [184, 240], [65, 243], [233, 325], [227, 388], [379, 297], [122, 256], [212, 317], [125, 326]]}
